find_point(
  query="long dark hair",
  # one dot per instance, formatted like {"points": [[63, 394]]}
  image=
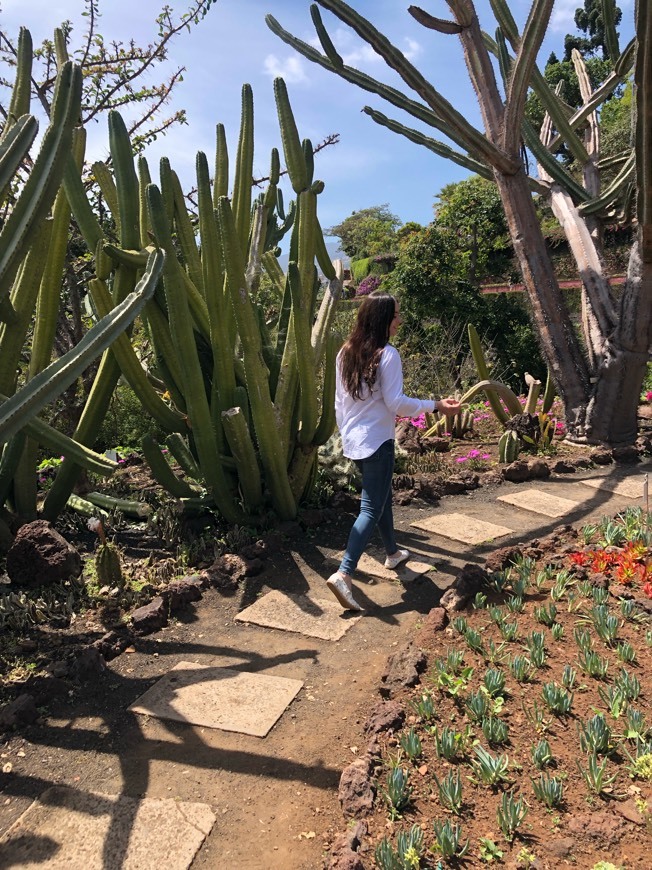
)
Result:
{"points": [[361, 353]]}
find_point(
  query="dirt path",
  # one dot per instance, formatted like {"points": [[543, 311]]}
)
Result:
{"points": [[274, 798]]}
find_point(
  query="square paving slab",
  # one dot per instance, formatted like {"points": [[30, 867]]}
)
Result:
{"points": [[70, 829], [540, 502], [631, 487], [219, 698], [459, 527], [305, 614], [405, 572]]}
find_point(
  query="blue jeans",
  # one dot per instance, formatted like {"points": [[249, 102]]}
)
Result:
{"points": [[375, 507]]}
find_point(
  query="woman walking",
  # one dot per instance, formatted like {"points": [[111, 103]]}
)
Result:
{"points": [[368, 397]]}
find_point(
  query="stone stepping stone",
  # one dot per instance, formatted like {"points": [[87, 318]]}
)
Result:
{"points": [[405, 572], [304, 614], [71, 829], [459, 527], [630, 487], [219, 698], [540, 502]]}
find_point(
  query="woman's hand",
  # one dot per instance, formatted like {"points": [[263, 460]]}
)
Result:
{"points": [[449, 406]]}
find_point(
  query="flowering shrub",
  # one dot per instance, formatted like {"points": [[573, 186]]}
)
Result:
{"points": [[418, 422], [475, 460], [367, 285]]}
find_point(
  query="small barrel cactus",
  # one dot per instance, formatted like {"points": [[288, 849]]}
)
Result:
{"points": [[107, 565], [107, 558]]}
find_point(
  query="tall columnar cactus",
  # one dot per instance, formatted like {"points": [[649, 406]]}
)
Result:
{"points": [[246, 390], [38, 193]]}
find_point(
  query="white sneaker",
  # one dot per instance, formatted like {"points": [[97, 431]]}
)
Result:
{"points": [[394, 561], [338, 586]]}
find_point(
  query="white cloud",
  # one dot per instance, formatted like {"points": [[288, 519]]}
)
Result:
{"points": [[562, 19], [290, 68], [413, 49]]}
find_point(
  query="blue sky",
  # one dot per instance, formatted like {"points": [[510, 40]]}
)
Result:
{"points": [[233, 45]]}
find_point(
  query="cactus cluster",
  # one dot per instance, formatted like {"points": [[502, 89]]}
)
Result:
{"points": [[247, 414], [19, 610], [456, 427], [247, 411], [33, 243]]}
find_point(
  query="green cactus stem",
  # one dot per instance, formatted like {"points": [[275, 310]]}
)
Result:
{"points": [[41, 187], [161, 470], [50, 382], [178, 447], [23, 296], [548, 395], [244, 455], [14, 148], [132, 369], [326, 425], [126, 182], [129, 507], [61, 445], [86, 432], [488, 387], [534, 389], [508, 446], [483, 373], [11, 454], [85, 508], [22, 90], [292, 149], [269, 443], [191, 378], [244, 169]]}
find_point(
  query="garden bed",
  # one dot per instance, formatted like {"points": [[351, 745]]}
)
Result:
{"points": [[529, 739]]}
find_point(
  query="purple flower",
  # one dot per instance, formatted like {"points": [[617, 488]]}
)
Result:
{"points": [[461, 458], [367, 285], [473, 453]]}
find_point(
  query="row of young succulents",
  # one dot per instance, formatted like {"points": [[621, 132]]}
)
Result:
{"points": [[602, 643], [249, 402]]}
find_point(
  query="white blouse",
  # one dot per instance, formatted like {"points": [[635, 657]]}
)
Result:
{"points": [[368, 422]]}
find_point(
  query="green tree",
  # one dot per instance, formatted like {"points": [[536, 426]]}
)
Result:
{"points": [[431, 275], [590, 20], [367, 232], [599, 376], [471, 210]]}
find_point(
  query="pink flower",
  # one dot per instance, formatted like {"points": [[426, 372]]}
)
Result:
{"points": [[473, 453], [461, 458], [648, 396], [486, 456]]}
